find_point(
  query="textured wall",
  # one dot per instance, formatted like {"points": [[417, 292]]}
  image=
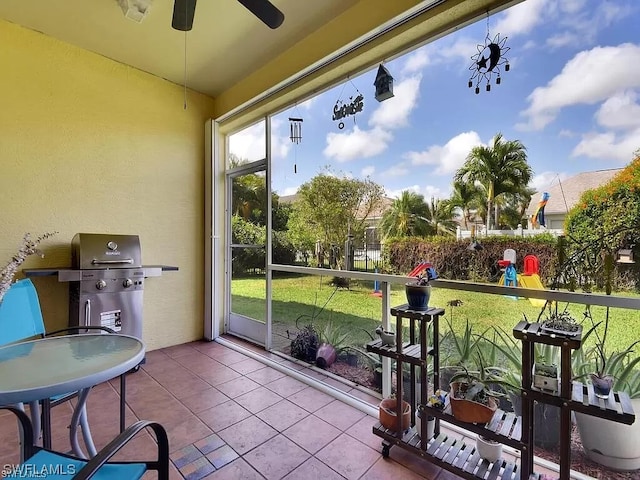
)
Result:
{"points": [[91, 145]]}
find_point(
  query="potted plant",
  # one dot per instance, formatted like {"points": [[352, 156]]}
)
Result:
{"points": [[418, 291], [606, 442], [488, 449], [470, 399], [601, 380], [431, 422], [545, 377], [305, 345], [546, 417], [333, 341], [560, 323], [388, 414]]}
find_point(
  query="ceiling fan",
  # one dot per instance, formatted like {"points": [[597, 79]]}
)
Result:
{"points": [[184, 11]]}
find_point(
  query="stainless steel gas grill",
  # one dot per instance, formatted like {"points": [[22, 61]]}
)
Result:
{"points": [[106, 281]]}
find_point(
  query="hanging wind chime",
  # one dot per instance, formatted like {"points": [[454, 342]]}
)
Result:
{"points": [[342, 110], [295, 134], [489, 61]]}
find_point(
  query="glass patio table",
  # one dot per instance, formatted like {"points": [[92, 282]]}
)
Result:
{"points": [[40, 369]]}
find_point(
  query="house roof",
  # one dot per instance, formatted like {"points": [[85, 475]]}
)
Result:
{"points": [[563, 195]]}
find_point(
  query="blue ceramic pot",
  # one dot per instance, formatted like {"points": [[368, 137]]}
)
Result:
{"points": [[418, 296]]}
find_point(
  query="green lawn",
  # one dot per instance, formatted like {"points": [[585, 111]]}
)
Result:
{"points": [[302, 298]]}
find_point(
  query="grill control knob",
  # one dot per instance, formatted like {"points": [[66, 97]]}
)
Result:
{"points": [[100, 284], [126, 283]]}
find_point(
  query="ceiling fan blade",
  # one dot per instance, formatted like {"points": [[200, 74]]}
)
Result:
{"points": [[183, 12], [265, 11]]}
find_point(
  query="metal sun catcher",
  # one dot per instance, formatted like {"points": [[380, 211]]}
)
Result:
{"points": [[488, 61], [342, 110]]}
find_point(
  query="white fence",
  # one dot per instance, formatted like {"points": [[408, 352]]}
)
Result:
{"points": [[518, 232]]}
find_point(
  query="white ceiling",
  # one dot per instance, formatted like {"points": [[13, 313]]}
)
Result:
{"points": [[226, 44]]}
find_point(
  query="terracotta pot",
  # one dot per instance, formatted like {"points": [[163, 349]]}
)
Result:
{"points": [[388, 415], [470, 411], [326, 355]]}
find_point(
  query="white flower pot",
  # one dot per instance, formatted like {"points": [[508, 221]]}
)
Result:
{"points": [[431, 425], [611, 444], [488, 449]]}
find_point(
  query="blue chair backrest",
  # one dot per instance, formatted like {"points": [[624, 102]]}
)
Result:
{"points": [[20, 315]]}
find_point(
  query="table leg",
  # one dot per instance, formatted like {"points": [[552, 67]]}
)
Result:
{"points": [[34, 407], [46, 423], [78, 412], [122, 400]]}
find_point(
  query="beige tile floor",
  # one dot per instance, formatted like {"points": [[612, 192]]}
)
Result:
{"points": [[230, 416]]}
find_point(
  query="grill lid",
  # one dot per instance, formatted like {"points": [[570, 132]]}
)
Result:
{"points": [[99, 251]]}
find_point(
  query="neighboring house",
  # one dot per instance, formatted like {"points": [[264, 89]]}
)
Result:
{"points": [[563, 195]]}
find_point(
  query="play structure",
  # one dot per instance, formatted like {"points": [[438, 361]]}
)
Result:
{"points": [[425, 268], [530, 278]]}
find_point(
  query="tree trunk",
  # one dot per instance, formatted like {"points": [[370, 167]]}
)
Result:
{"points": [[489, 216]]}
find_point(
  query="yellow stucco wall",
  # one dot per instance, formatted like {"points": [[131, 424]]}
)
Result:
{"points": [[90, 145]]}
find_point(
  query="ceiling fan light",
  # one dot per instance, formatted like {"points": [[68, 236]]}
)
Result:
{"points": [[135, 10]]}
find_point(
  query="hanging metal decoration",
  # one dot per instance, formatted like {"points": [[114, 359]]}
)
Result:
{"points": [[489, 61], [295, 127], [342, 110]]}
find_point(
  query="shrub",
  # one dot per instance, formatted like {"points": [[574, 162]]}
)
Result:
{"points": [[604, 220], [452, 259]]}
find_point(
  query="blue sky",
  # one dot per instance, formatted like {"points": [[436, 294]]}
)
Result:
{"points": [[571, 96]]}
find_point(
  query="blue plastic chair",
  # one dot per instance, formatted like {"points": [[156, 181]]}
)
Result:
{"points": [[21, 319], [58, 466]]}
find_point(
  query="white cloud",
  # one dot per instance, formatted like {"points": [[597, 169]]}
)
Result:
{"points": [[396, 170], [588, 78], [357, 143], [398, 192], [529, 45], [620, 114], [449, 157], [609, 145], [566, 133], [620, 111], [395, 111], [307, 104], [289, 191], [416, 61], [521, 18], [545, 180], [249, 144], [581, 26], [368, 171]]}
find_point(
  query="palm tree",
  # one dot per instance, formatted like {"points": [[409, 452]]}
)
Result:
{"points": [[500, 168], [513, 206], [441, 217], [467, 197], [407, 216]]}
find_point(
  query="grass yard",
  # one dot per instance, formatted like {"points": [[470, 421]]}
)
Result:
{"points": [[300, 300]]}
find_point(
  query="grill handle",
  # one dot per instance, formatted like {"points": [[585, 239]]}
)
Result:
{"points": [[87, 313], [112, 262]]}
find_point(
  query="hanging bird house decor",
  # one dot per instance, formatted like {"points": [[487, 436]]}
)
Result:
{"points": [[383, 84], [295, 127], [342, 110], [489, 62]]}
